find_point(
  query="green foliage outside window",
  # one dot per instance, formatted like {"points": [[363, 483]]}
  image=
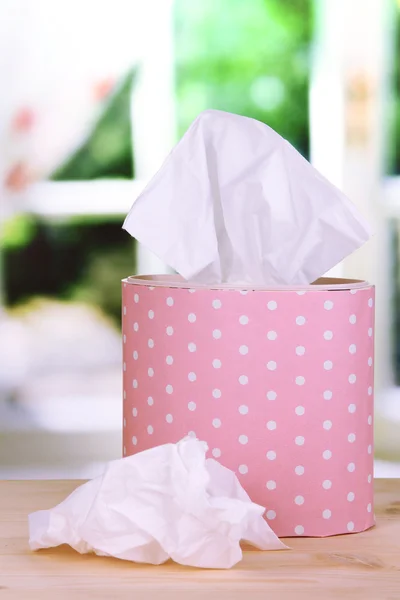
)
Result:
{"points": [[249, 57]]}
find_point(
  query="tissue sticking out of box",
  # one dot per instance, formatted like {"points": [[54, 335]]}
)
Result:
{"points": [[167, 502], [235, 203]]}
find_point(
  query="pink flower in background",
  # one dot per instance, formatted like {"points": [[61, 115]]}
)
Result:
{"points": [[18, 177], [103, 88], [23, 120]]}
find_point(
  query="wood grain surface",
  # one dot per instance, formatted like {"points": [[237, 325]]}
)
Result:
{"points": [[365, 565]]}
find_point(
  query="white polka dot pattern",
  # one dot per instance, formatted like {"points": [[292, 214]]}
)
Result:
{"points": [[275, 382]]}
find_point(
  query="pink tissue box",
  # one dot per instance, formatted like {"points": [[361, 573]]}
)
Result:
{"points": [[278, 382]]}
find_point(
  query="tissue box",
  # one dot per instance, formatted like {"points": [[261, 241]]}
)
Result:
{"points": [[278, 382]]}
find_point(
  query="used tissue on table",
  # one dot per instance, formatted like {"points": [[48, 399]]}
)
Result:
{"points": [[235, 203], [166, 502]]}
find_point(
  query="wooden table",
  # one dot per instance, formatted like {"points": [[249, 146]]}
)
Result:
{"points": [[364, 566]]}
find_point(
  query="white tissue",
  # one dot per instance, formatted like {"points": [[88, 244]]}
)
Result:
{"points": [[167, 502], [235, 203]]}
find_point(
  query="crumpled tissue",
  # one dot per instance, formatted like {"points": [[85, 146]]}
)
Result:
{"points": [[235, 203], [167, 502]]}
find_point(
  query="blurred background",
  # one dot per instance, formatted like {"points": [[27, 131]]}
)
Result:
{"points": [[94, 94]]}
